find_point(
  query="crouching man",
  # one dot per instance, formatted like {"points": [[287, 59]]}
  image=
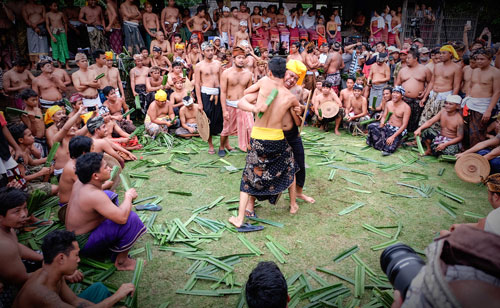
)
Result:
{"points": [[101, 224]]}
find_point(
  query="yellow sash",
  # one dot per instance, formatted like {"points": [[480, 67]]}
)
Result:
{"points": [[264, 133]]}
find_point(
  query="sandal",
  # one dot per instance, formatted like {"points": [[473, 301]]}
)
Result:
{"points": [[249, 214], [211, 152], [148, 207], [246, 227]]}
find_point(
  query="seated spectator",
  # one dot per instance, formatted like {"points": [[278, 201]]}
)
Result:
{"points": [[116, 105], [356, 109], [187, 115], [490, 149], [327, 94], [102, 226], [160, 116], [447, 141], [266, 287], [36, 125], [177, 97], [47, 286], [387, 137]]}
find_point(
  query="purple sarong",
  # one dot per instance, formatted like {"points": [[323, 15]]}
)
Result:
{"points": [[110, 236]]}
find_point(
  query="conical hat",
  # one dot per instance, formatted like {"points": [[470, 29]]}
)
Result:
{"points": [[329, 109], [203, 125], [472, 168]]}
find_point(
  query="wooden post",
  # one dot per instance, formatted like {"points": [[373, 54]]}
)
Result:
{"points": [[440, 24], [404, 21]]}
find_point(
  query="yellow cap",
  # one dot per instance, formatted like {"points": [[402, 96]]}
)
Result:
{"points": [[179, 46], [298, 68], [450, 49], [86, 116], [109, 55], [49, 113], [161, 96]]}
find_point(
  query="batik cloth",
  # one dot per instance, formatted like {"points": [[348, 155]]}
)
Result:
{"points": [[295, 141], [270, 167], [182, 131], [37, 44], [351, 125], [377, 137], [116, 40], [110, 236], [334, 78], [42, 146], [416, 112], [60, 50], [46, 104], [475, 130], [96, 38], [133, 36], [377, 91], [213, 109], [436, 139], [433, 106]]}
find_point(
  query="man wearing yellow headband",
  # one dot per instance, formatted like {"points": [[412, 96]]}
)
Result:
{"points": [[160, 115], [114, 78], [446, 80]]}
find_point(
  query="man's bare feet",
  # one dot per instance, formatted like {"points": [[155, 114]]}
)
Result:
{"points": [[294, 208], [235, 221], [306, 198], [126, 264], [337, 133], [427, 152]]}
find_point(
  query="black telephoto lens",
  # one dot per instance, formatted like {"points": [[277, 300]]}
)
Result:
{"points": [[401, 264]]}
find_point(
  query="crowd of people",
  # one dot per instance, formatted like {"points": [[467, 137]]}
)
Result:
{"points": [[261, 76]]}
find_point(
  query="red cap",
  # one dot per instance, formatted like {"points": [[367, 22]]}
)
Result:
{"points": [[405, 51]]}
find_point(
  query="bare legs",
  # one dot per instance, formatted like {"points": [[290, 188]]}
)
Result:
{"points": [[238, 221], [302, 196], [338, 119], [124, 263], [292, 191]]}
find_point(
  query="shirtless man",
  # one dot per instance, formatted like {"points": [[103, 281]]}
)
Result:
{"points": [[47, 286], [380, 74], [34, 17], [48, 87], [178, 96], [414, 78], [35, 125], [224, 26], [150, 22], [346, 93], [160, 41], [17, 79], [232, 84], [187, 115], [63, 75], [334, 65], [446, 80], [57, 25], [177, 72], [311, 60], [482, 96], [294, 52], [92, 16], [234, 24], [270, 153], [447, 141], [243, 15], [327, 94], [116, 105], [242, 34], [114, 26], [467, 74], [207, 76], [194, 56], [160, 116], [198, 24], [85, 82], [114, 79], [131, 18], [386, 137], [100, 67], [160, 60], [170, 18], [138, 76], [13, 215], [155, 80], [95, 214], [356, 108]]}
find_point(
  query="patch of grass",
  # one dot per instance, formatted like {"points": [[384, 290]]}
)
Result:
{"points": [[316, 233]]}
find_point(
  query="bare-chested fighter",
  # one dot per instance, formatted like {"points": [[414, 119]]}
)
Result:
{"points": [[414, 78], [446, 80], [131, 18], [327, 94], [447, 141], [187, 115], [161, 42], [99, 222], [34, 16], [117, 106], [207, 78], [232, 84], [241, 34], [160, 116], [294, 53], [85, 82], [270, 167], [92, 16], [114, 79], [170, 18], [380, 74], [48, 86], [334, 65], [160, 60], [17, 79], [100, 67], [387, 137], [482, 96], [348, 91], [57, 25], [243, 14]]}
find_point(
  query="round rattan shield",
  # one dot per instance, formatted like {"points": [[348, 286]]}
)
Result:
{"points": [[203, 125], [472, 168], [329, 109]]}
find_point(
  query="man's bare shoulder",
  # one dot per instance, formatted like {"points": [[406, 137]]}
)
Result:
{"points": [[40, 296], [8, 246]]}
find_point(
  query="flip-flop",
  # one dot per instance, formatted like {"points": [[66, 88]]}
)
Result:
{"points": [[246, 227], [211, 152], [148, 207], [221, 153], [249, 214]]}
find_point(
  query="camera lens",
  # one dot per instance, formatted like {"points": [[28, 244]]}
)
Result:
{"points": [[401, 264]]}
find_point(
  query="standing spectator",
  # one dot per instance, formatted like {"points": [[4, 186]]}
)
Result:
{"points": [[92, 16], [338, 21], [131, 19], [57, 25], [34, 16], [377, 25], [114, 27]]}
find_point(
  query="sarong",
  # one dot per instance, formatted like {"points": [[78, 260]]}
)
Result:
{"points": [[230, 127], [263, 33], [475, 131], [303, 35], [284, 37], [245, 125], [333, 39], [352, 125], [96, 38], [149, 38], [154, 129], [92, 102], [95, 293], [377, 91], [391, 39], [131, 142], [37, 45], [416, 112], [60, 50], [258, 41], [212, 110], [47, 104], [41, 145], [225, 38], [182, 131], [338, 37], [313, 35], [110, 236], [294, 35], [436, 139], [335, 79], [200, 36], [274, 34], [321, 40], [133, 38], [377, 37], [171, 28], [270, 167], [295, 141], [377, 137], [434, 104], [116, 40], [140, 89], [8, 295]]}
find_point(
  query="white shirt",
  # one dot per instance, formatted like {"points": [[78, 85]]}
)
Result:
{"points": [[309, 21], [493, 222], [338, 22]]}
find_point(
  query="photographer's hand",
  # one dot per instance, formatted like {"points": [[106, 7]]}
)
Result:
{"points": [[398, 301]]}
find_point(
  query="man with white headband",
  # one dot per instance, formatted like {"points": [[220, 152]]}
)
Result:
{"points": [[242, 34], [187, 114]]}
